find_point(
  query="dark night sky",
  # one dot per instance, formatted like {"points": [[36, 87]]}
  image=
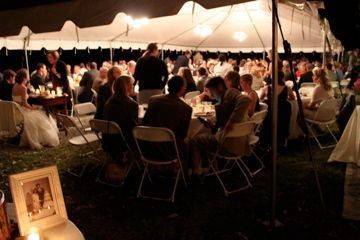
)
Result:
{"points": [[343, 16]]}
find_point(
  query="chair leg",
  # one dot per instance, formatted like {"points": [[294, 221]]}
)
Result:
{"points": [[175, 185], [331, 133], [252, 174], [142, 180]]}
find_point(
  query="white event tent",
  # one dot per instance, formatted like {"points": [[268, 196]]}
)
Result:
{"points": [[241, 27]]}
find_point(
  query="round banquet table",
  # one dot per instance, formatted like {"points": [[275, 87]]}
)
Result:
{"points": [[348, 151], [195, 127], [49, 102]]}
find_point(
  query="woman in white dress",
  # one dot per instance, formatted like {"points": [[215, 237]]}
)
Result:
{"points": [[39, 129]]}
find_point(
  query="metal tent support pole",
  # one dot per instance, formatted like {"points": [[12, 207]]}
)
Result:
{"points": [[111, 54], [26, 59], [274, 108], [324, 44]]}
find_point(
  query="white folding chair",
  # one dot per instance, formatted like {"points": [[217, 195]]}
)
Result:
{"points": [[84, 112], [157, 135], [101, 127], [239, 130], [75, 136], [191, 95], [263, 106], [325, 116], [11, 126], [258, 119]]}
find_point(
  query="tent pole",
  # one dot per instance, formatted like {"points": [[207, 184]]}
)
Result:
{"points": [[162, 52], [26, 59], [324, 44], [111, 54], [274, 103]]}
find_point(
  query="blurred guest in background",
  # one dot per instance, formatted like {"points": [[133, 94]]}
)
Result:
{"points": [[182, 61], [7, 85], [40, 76], [185, 73]]}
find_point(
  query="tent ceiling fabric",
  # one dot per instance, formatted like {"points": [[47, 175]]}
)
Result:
{"points": [[175, 32], [88, 13]]}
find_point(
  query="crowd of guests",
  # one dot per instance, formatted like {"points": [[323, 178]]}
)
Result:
{"points": [[118, 88]]}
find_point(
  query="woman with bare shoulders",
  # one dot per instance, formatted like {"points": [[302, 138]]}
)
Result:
{"points": [[39, 129]]}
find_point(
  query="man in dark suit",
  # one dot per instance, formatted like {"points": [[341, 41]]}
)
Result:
{"points": [[39, 78], [6, 85], [307, 76], [169, 111], [231, 108], [182, 61]]}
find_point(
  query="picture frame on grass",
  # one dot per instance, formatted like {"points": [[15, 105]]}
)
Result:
{"points": [[38, 199]]}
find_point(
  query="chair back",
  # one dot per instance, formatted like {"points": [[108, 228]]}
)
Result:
{"points": [[258, 118], [263, 106], [105, 127], [84, 109], [241, 130], [11, 118], [156, 136], [67, 121], [153, 134], [191, 95], [327, 110]]}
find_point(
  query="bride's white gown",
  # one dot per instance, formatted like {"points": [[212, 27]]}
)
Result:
{"points": [[39, 129]]}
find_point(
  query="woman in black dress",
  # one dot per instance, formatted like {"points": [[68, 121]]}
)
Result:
{"points": [[284, 110], [105, 91]]}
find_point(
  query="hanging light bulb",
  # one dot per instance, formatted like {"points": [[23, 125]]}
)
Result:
{"points": [[240, 36], [203, 30], [136, 23]]}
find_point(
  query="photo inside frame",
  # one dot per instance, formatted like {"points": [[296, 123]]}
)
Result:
{"points": [[39, 199]]}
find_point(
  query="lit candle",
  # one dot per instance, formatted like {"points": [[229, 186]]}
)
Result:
{"points": [[34, 235]]}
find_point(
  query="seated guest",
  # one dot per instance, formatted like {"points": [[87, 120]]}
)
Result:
{"points": [[284, 110], [222, 67], [7, 85], [131, 65], [307, 76], [86, 93], [94, 72], [330, 75], [258, 80], [39, 78], [246, 83], [39, 129], [151, 73], [232, 80], [185, 73], [105, 91], [231, 109], [120, 108], [323, 91], [202, 77], [101, 80], [170, 111]]}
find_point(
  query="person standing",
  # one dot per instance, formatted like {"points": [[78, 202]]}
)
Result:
{"points": [[182, 61], [151, 73]]}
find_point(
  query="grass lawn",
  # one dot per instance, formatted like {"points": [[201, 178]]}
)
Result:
{"points": [[200, 211]]}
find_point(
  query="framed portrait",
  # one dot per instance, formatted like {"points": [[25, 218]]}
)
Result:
{"points": [[38, 199]]}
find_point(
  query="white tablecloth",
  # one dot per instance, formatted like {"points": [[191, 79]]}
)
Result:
{"points": [[195, 127], [348, 148]]}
